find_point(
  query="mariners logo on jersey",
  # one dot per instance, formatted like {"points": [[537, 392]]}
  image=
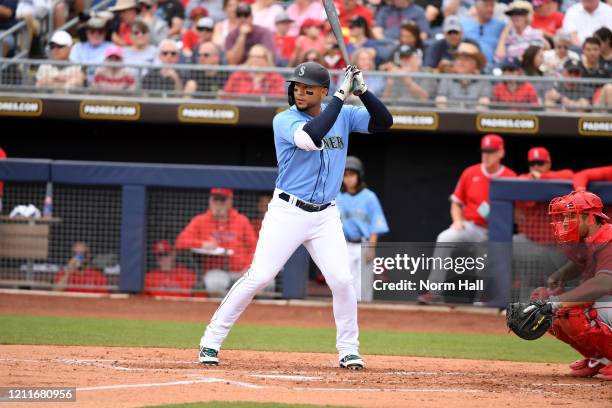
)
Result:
{"points": [[315, 176]]}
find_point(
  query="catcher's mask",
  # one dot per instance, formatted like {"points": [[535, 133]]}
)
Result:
{"points": [[565, 214], [309, 73]]}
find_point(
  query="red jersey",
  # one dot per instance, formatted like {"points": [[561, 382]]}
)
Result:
{"points": [[2, 156], [584, 177], [599, 253], [159, 283], [525, 94], [549, 24], [234, 233], [89, 277], [190, 40], [243, 82], [360, 10], [284, 45], [472, 192]]}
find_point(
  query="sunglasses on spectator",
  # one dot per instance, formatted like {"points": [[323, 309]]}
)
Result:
{"points": [[54, 46], [220, 199], [243, 15], [563, 46], [138, 32], [575, 72], [145, 7], [537, 163], [206, 55], [204, 29], [171, 53], [113, 58], [96, 31]]}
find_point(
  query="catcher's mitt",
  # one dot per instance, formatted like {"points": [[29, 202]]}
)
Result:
{"points": [[529, 321]]}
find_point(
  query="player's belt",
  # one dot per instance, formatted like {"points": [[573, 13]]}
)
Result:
{"points": [[303, 204]]}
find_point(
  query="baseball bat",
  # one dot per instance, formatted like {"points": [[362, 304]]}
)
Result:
{"points": [[334, 22]]}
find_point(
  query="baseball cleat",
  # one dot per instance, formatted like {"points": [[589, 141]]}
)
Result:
{"points": [[209, 356], [352, 362], [587, 367], [606, 372]]}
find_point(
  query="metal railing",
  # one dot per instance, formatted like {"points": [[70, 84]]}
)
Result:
{"points": [[241, 84]]}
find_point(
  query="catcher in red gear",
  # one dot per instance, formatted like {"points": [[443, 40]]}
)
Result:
{"points": [[582, 317]]}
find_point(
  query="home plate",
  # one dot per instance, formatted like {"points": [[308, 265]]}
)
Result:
{"points": [[286, 377]]}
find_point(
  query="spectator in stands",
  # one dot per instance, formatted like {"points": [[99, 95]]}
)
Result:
{"points": [[228, 24], [173, 12], [262, 207], [168, 278], [62, 77], [465, 92], [125, 12], [411, 34], [470, 206], [239, 42], [310, 39], [283, 42], [546, 17], [332, 56], [364, 59], [141, 51], [195, 14], [219, 229], [483, 28], [265, 12], [352, 10], [533, 59], [214, 8], [509, 92], [313, 56], [191, 34], [115, 77], [34, 12], [591, 59], [7, 20], [390, 18], [582, 19], [92, 51], [459, 8], [158, 28], [405, 88], [569, 96], [78, 275], [584, 177], [209, 80], [605, 36], [440, 54], [360, 34], [518, 35], [257, 83], [167, 78], [204, 29], [555, 58], [433, 13], [301, 10]]}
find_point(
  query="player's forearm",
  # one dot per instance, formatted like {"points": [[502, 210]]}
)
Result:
{"points": [[589, 291], [318, 127], [380, 117], [456, 212]]}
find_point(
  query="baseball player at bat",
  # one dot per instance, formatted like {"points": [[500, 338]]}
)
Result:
{"points": [[311, 140]]}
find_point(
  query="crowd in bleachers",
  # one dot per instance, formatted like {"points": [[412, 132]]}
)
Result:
{"points": [[540, 39]]}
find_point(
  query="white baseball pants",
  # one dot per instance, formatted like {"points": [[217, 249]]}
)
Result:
{"points": [[284, 228]]}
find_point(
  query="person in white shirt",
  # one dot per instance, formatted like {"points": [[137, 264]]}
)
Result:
{"points": [[264, 12], [59, 76], [582, 19]]}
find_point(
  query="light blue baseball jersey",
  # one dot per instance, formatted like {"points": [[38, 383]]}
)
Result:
{"points": [[315, 176], [361, 215]]}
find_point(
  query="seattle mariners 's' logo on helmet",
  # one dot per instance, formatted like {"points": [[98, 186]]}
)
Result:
{"points": [[302, 70]]}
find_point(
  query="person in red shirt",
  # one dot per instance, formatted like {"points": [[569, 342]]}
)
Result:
{"points": [[256, 83], [223, 237], [168, 278], [546, 17], [283, 42], [583, 315], [584, 177], [510, 93], [310, 38], [78, 275], [469, 207], [354, 8], [2, 157]]}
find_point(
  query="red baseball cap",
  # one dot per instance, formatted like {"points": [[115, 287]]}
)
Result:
{"points": [[226, 192], [198, 12], [312, 22], [538, 154], [162, 247], [491, 143]]}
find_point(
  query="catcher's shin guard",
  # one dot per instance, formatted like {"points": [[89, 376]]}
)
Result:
{"points": [[586, 335]]}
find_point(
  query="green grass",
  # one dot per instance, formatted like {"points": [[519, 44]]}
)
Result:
{"points": [[217, 404], [141, 333]]}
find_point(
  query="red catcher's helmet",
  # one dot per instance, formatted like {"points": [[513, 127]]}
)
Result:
{"points": [[566, 210]]}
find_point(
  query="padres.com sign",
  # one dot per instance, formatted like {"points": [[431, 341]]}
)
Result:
{"points": [[109, 110], [507, 123], [20, 107]]}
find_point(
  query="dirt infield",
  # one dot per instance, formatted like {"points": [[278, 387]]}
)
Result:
{"points": [[130, 377]]}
